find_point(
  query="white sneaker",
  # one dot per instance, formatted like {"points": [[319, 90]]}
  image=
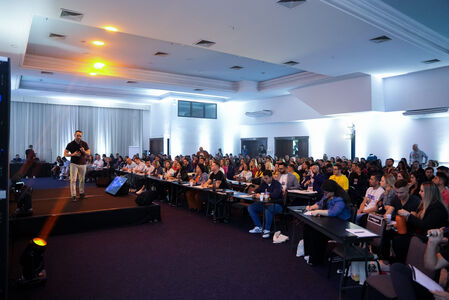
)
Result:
{"points": [[266, 234], [256, 230]]}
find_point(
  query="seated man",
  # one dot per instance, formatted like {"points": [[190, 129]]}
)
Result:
{"points": [[276, 201], [371, 197], [441, 180], [428, 173], [315, 178], [389, 168], [17, 159], [286, 179], [130, 165], [339, 178]]}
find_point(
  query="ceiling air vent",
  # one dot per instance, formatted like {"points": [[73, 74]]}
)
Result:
{"points": [[57, 36], [290, 3], [131, 82], [159, 53], [46, 72], [291, 63], [71, 15], [204, 43], [259, 113], [198, 90], [236, 68], [380, 39], [431, 61], [425, 111]]}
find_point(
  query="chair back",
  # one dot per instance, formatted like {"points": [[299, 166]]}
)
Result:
{"points": [[376, 224], [415, 256]]}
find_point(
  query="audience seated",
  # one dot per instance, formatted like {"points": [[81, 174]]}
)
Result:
{"points": [[271, 192], [339, 178], [431, 213], [335, 203], [441, 180], [373, 194]]}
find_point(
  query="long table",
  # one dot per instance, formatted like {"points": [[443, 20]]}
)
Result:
{"points": [[335, 229]]}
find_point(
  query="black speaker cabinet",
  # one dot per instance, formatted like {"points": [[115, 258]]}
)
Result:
{"points": [[5, 100]]}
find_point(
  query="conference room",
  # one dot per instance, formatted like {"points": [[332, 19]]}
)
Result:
{"points": [[224, 149]]}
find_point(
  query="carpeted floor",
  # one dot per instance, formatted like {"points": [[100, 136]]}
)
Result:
{"points": [[184, 257]]}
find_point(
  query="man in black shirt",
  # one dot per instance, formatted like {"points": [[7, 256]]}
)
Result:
{"points": [[78, 150], [217, 176], [403, 200]]}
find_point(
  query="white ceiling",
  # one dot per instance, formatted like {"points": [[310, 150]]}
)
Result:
{"points": [[261, 34]]}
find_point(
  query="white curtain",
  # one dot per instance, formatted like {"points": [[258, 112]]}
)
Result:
{"points": [[49, 128]]}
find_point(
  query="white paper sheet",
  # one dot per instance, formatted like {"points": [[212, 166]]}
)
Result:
{"points": [[308, 213], [361, 232], [425, 280]]}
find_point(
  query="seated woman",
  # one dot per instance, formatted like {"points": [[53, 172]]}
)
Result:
{"points": [[56, 167], [387, 183], [245, 174], [157, 169], [335, 203], [432, 213], [193, 197], [415, 184]]}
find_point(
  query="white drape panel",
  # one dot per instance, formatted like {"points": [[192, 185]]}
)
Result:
{"points": [[49, 128]]}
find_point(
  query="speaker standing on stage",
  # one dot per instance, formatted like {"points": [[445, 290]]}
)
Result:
{"points": [[78, 150]]}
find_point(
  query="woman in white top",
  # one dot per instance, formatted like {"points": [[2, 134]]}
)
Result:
{"points": [[246, 174]]}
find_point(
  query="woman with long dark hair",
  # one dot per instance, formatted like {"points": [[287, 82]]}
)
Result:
{"points": [[335, 203], [432, 213]]}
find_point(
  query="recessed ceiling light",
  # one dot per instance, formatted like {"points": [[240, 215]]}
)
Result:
{"points": [[159, 53], [71, 15], [291, 63], [56, 36], [380, 39], [205, 43], [110, 28], [431, 61], [236, 68], [98, 43], [290, 3], [99, 65], [92, 74]]}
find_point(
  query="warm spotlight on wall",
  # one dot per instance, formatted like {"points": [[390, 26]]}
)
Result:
{"points": [[32, 263]]}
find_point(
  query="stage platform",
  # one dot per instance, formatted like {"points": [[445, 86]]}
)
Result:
{"points": [[97, 210]]}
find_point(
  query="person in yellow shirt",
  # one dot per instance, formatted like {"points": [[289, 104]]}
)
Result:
{"points": [[291, 169], [339, 178]]}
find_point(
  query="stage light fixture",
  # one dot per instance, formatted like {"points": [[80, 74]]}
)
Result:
{"points": [[32, 263], [92, 74]]}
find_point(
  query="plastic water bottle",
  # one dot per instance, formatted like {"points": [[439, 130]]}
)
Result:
{"points": [[266, 195], [213, 185], [310, 187]]}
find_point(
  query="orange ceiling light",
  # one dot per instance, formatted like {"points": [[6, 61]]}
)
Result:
{"points": [[110, 28], [98, 43]]}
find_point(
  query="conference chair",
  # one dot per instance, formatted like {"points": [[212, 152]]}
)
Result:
{"points": [[382, 283]]}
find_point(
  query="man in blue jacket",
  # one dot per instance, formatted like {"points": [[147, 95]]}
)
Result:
{"points": [[270, 206]]}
